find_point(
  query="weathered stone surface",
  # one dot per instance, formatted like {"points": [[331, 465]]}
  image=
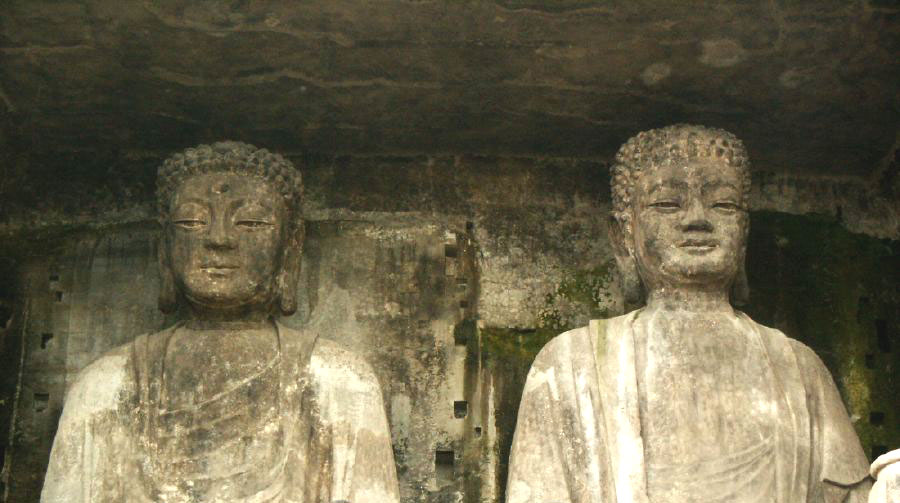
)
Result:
{"points": [[886, 471], [84, 86], [685, 399], [419, 114], [227, 404]]}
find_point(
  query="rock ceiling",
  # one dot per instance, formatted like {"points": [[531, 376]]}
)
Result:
{"points": [[811, 86]]}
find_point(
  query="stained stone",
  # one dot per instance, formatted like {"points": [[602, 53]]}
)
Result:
{"points": [[227, 405], [886, 471], [685, 399]]}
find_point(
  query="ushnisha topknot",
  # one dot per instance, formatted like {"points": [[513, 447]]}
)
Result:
{"points": [[229, 157], [674, 144]]}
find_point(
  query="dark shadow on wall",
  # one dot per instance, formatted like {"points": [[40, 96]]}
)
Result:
{"points": [[819, 283], [839, 293], [10, 358]]}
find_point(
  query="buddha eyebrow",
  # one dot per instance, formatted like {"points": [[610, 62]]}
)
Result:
{"points": [[191, 200], [719, 184], [666, 184], [240, 203]]}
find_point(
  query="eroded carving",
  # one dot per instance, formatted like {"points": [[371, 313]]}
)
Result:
{"points": [[685, 399], [227, 405]]}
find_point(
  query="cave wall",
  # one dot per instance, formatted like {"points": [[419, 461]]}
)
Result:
{"points": [[448, 273]]}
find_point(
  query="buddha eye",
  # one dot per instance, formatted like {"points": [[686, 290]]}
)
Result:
{"points": [[666, 205], [189, 223], [253, 224], [728, 206]]}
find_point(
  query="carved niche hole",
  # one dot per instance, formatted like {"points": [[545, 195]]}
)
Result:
{"points": [[870, 361], [876, 418], [463, 304], [881, 333], [443, 464], [40, 401], [470, 226], [54, 277], [460, 409], [6, 313], [58, 296], [451, 251], [45, 339], [862, 308], [478, 432]]}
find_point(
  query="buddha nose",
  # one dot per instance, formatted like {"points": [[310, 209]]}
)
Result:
{"points": [[695, 218], [219, 235]]}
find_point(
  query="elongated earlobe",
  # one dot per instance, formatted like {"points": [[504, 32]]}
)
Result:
{"points": [[287, 279], [287, 296], [632, 286], [740, 289], [168, 295]]}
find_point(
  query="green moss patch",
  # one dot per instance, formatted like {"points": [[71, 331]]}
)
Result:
{"points": [[837, 292]]}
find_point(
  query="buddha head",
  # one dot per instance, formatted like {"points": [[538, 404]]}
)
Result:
{"points": [[680, 217], [232, 232]]}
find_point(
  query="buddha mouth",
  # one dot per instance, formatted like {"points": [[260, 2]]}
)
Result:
{"points": [[698, 245], [218, 268]]}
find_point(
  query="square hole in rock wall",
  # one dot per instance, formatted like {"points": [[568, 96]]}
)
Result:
{"points": [[460, 409], [882, 337], [870, 361], [444, 460], [451, 251], [876, 418], [41, 400]]}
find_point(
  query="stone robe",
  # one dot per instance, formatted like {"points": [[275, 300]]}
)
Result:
{"points": [[578, 435], [308, 428]]}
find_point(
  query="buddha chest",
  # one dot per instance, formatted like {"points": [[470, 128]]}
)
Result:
{"points": [[217, 430], [709, 408]]}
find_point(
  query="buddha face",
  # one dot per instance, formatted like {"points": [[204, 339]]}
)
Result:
{"points": [[226, 240], [689, 224]]}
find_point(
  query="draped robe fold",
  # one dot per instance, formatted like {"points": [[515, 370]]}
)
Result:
{"points": [[331, 444], [578, 434]]}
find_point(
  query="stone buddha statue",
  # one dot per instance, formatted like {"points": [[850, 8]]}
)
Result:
{"points": [[227, 405], [685, 399]]}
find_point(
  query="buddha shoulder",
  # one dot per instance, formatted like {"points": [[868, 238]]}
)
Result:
{"points": [[345, 386], [101, 385], [807, 359], [576, 345], [333, 365]]}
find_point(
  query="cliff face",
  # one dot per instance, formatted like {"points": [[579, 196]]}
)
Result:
{"points": [[456, 161], [93, 94]]}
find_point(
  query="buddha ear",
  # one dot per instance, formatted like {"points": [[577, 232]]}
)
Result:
{"points": [[168, 295], [740, 289], [290, 272], [620, 238]]}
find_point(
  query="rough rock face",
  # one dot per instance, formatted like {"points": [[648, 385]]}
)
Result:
{"points": [[455, 156], [95, 92]]}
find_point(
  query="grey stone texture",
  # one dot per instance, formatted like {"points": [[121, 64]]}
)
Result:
{"points": [[93, 94], [535, 229], [489, 124], [685, 399], [227, 404], [886, 471]]}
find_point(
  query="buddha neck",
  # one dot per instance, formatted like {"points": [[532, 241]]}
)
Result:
{"points": [[227, 325], [241, 318], [689, 299]]}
